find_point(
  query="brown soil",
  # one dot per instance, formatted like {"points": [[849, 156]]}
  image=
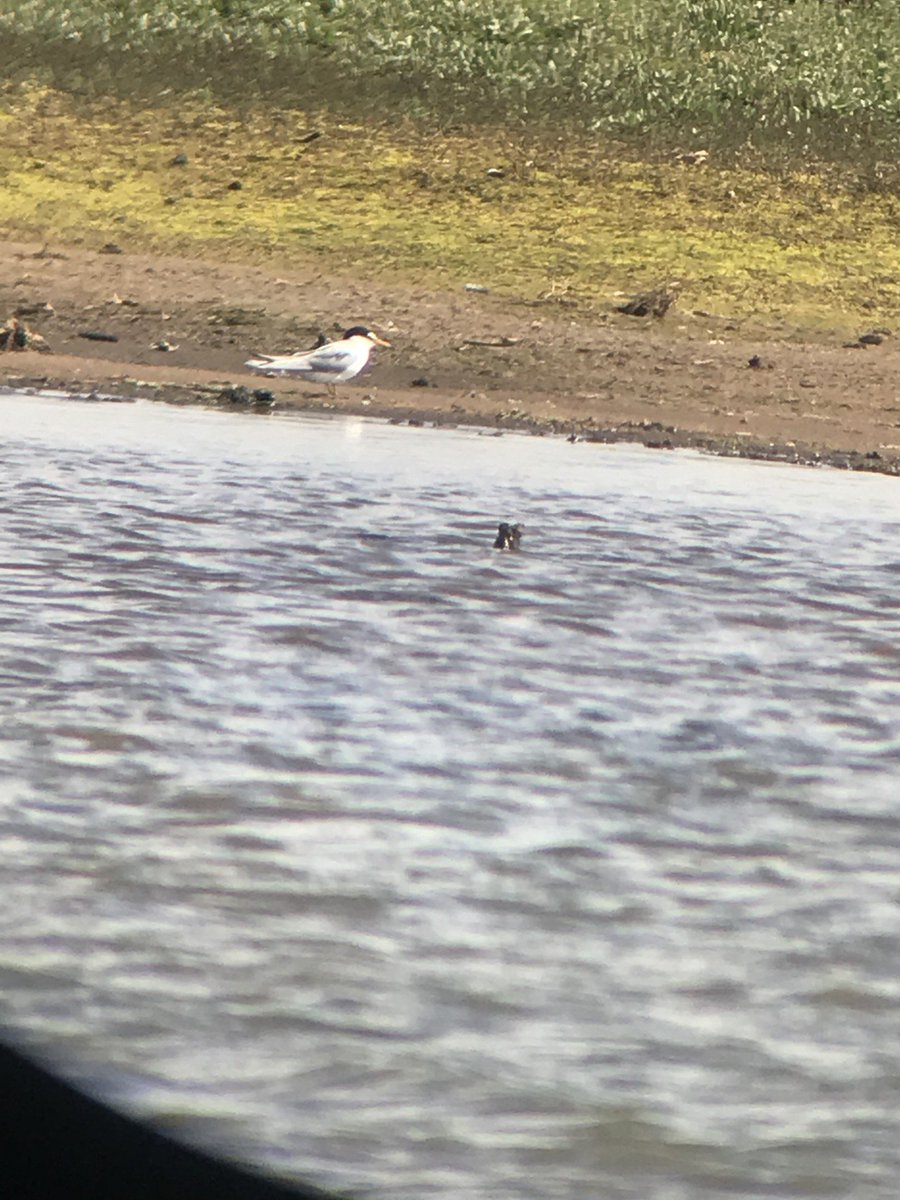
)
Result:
{"points": [[461, 357]]}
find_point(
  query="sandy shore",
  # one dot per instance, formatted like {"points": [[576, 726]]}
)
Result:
{"points": [[458, 357]]}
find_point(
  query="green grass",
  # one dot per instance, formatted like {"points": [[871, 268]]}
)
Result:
{"points": [[808, 78]]}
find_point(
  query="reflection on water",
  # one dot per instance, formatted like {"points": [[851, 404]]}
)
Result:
{"points": [[334, 837]]}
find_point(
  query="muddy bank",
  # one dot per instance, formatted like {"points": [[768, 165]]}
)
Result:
{"points": [[179, 329]]}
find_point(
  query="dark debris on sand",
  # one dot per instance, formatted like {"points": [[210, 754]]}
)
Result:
{"points": [[15, 335]]}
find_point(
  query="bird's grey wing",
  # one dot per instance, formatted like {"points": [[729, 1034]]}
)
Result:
{"points": [[329, 360], [310, 362]]}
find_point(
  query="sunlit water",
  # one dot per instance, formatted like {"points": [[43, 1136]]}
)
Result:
{"points": [[335, 839]]}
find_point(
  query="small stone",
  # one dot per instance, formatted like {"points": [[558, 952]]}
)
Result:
{"points": [[235, 395], [180, 160], [111, 248], [242, 397], [235, 185], [41, 309]]}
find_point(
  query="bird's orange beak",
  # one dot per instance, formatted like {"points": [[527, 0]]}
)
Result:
{"points": [[378, 341]]}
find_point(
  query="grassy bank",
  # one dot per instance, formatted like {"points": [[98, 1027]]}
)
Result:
{"points": [[560, 221], [799, 77]]}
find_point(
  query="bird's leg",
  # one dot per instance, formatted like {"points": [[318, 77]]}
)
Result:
{"points": [[332, 390]]}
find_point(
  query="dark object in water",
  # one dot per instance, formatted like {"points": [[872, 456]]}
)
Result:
{"points": [[56, 1142], [508, 537], [97, 335]]}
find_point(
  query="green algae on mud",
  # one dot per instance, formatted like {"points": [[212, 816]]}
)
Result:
{"points": [[570, 219]]}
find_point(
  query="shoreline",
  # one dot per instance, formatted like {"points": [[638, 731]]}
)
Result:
{"points": [[649, 434], [458, 358]]}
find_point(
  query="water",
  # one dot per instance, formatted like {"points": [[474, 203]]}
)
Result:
{"points": [[332, 838]]}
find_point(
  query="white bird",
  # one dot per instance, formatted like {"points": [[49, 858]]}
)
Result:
{"points": [[333, 363]]}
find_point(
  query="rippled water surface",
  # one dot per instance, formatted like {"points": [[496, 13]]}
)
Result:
{"points": [[338, 840]]}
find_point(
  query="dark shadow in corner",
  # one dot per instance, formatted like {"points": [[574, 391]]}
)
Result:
{"points": [[57, 1144]]}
